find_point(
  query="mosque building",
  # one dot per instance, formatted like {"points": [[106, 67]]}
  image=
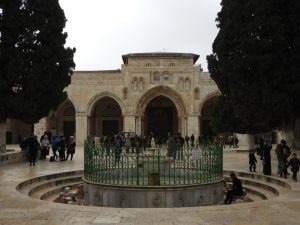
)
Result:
{"points": [[156, 92]]}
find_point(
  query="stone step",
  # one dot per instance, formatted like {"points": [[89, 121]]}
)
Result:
{"points": [[263, 188], [27, 185], [51, 191], [53, 183], [271, 180]]}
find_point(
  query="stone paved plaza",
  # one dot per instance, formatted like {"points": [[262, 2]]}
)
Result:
{"points": [[19, 209]]}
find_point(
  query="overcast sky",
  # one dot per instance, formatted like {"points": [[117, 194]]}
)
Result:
{"points": [[104, 30]]}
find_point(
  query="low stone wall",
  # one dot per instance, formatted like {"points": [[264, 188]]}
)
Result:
{"points": [[11, 156], [154, 197]]}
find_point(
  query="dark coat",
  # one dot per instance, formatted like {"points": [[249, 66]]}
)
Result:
{"points": [[252, 158], [32, 144], [294, 163], [71, 148], [237, 187]]}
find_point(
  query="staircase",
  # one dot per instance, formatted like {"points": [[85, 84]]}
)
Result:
{"points": [[48, 187], [260, 187]]}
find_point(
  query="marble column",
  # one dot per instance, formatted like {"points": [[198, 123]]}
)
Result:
{"points": [[193, 125], [81, 128], [129, 123], [138, 127]]}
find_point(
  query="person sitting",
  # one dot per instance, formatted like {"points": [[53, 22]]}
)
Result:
{"points": [[237, 189]]}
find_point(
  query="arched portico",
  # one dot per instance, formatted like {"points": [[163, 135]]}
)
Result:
{"points": [[206, 115], [62, 121], [160, 100], [106, 94], [105, 118]]}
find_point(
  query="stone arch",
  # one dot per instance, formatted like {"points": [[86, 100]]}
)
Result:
{"points": [[97, 97], [63, 105], [205, 114], [62, 121], [161, 91], [207, 98], [106, 118]]}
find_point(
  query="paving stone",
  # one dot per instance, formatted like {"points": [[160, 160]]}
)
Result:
{"points": [[18, 209]]}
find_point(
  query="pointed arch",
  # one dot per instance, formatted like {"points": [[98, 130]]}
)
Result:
{"points": [[161, 91], [207, 98], [98, 96]]}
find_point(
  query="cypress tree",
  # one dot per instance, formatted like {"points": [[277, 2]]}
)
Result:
{"points": [[255, 63], [35, 67]]}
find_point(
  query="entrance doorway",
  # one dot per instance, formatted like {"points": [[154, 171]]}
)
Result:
{"points": [[110, 127], [161, 118], [106, 118], [69, 129], [206, 116]]}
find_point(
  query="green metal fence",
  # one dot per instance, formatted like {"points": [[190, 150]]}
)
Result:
{"points": [[109, 165]]}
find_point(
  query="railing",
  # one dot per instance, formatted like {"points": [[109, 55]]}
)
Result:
{"points": [[126, 166]]}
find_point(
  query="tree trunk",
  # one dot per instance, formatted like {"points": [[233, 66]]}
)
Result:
{"points": [[2, 135]]}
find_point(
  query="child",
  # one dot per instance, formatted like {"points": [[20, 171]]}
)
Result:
{"points": [[252, 161], [294, 163]]}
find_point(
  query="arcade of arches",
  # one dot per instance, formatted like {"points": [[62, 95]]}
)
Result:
{"points": [[156, 92]]}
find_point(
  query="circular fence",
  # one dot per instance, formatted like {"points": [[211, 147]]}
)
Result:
{"points": [[153, 167]]}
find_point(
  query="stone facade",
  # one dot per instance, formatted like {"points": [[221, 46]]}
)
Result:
{"points": [[150, 88], [142, 78]]}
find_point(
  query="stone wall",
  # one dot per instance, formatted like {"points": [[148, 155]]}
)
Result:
{"points": [[156, 197]]}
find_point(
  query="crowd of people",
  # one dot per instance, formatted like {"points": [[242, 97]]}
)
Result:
{"points": [[138, 143], [285, 160], [284, 157], [47, 142]]}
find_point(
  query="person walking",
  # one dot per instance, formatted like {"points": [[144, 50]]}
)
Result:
{"points": [[192, 140], [283, 151], [62, 148], [71, 147], [237, 189], [33, 147], [252, 161], [54, 145], [294, 163], [45, 146], [266, 157]]}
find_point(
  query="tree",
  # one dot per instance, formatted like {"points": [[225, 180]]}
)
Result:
{"points": [[255, 63], [35, 67]]}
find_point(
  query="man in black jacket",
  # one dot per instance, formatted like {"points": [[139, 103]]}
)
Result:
{"points": [[237, 189], [33, 146]]}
